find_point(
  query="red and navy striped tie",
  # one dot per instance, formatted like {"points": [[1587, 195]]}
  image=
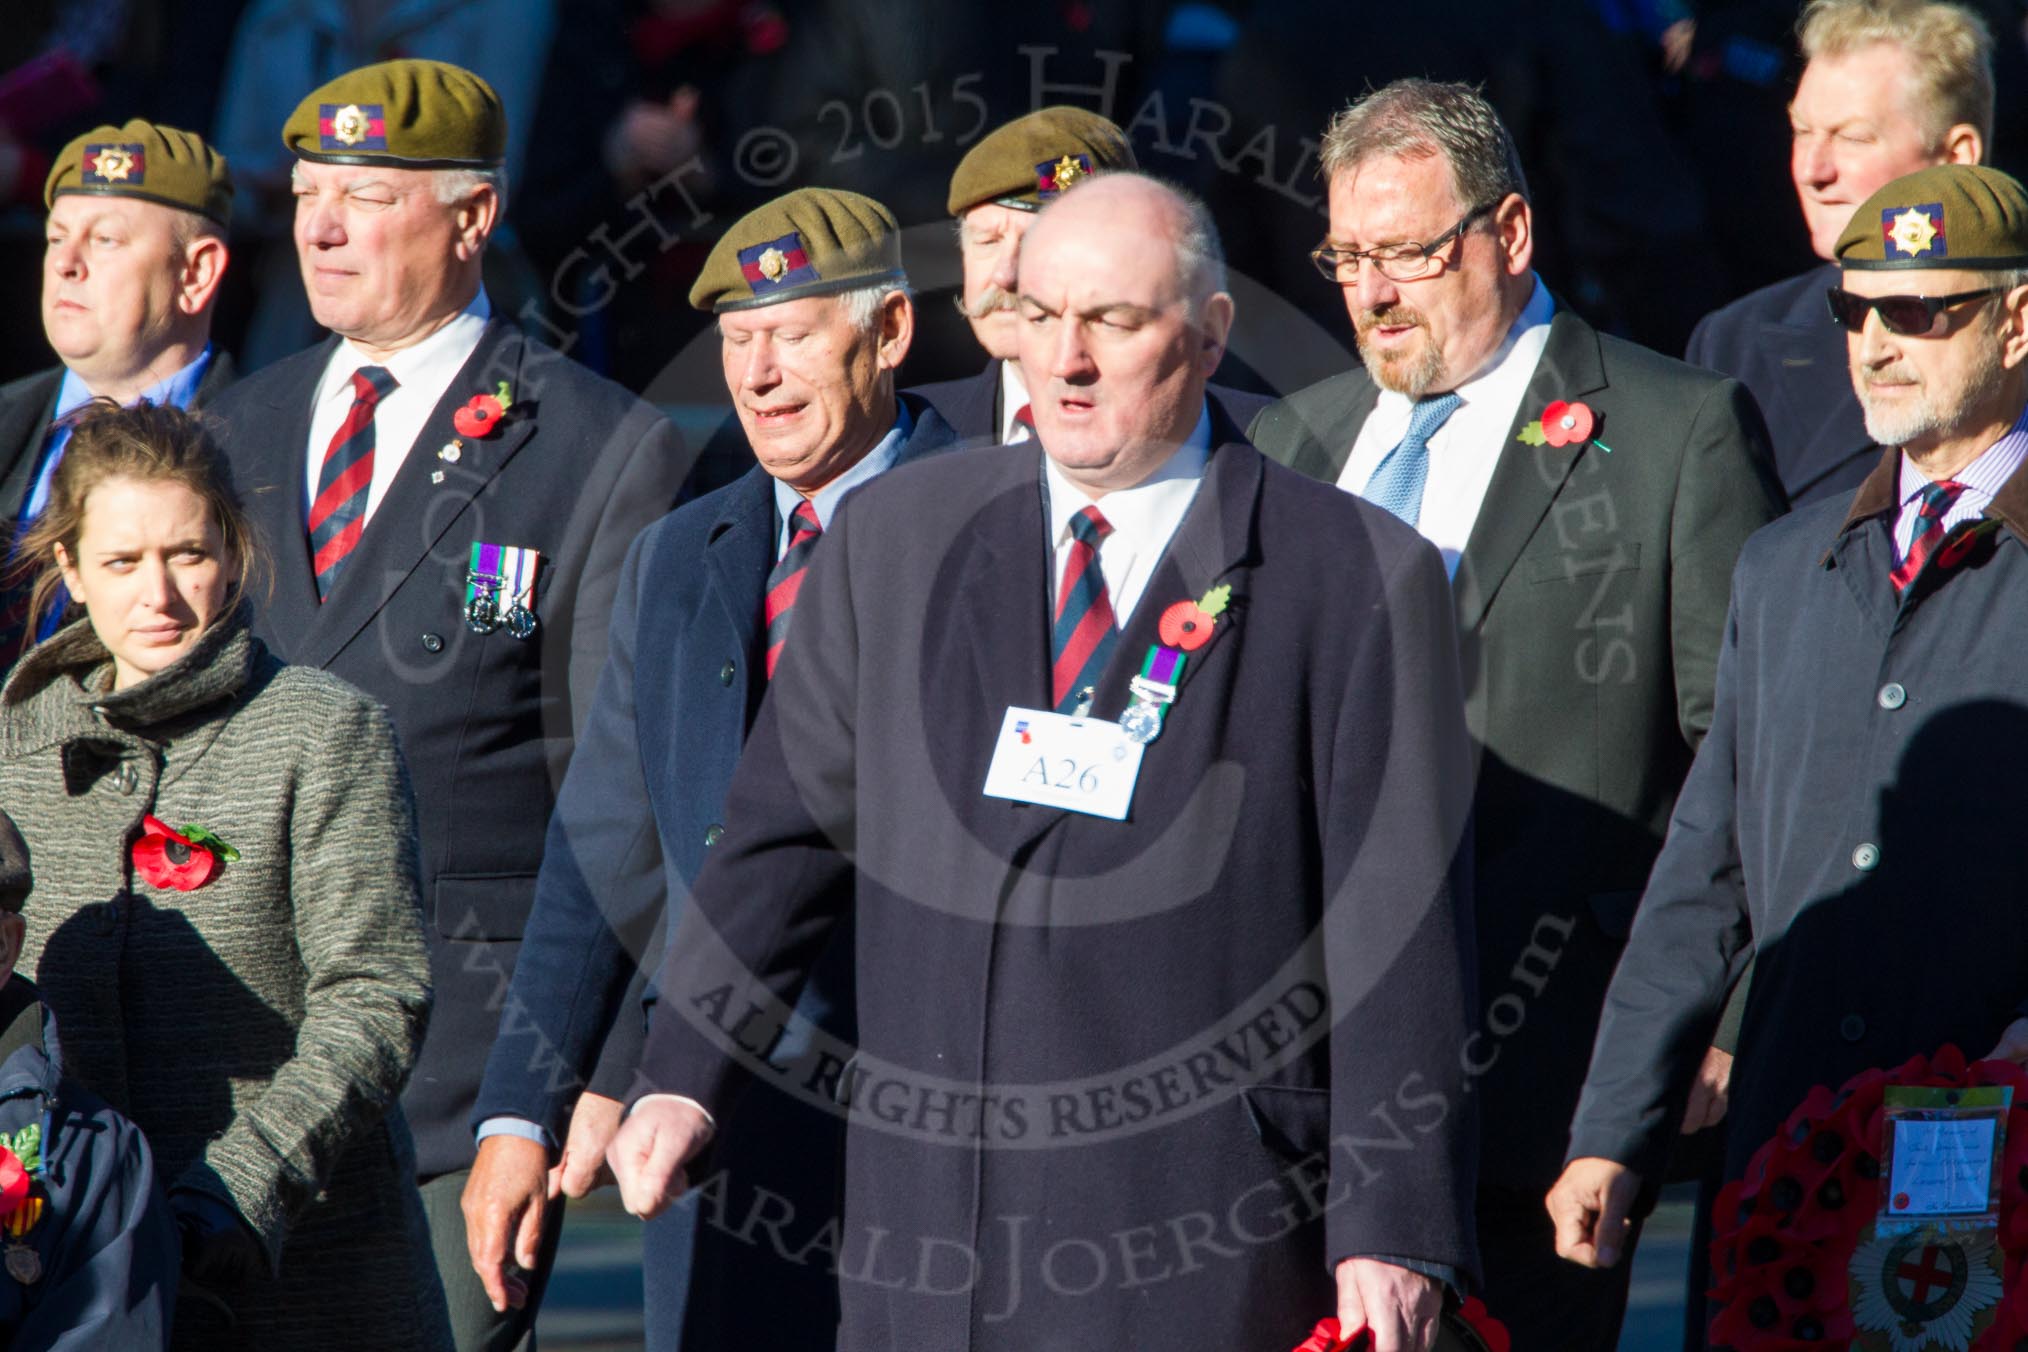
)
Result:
{"points": [[1082, 640], [787, 578], [338, 514], [1937, 500]]}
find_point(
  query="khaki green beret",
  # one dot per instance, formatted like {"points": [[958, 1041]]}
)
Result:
{"points": [[1027, 162], [145, 160], [1946, 216], [812, 242], [406, 114]]}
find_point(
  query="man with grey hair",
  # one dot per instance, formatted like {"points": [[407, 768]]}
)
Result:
{"points": [[1257, 848], [1589, 497], [1891, 86], [705, 601], [449, 504]]}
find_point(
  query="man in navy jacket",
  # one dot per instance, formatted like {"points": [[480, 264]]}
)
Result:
{"points": [[809, 363]]}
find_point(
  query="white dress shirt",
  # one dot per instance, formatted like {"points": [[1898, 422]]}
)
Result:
{"points": [[424, 373], [1143, 520], [1013, 398], [827, 498], [1466, 449]]}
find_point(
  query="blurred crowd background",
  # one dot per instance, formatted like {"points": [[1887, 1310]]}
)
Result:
{"points": [[1653, 131]]}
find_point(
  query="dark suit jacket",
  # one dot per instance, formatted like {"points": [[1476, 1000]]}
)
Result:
{"points": [[487, 723], [1781, 343], [1589, 600], [641, 804], [28, 406], [1073, 1028], [1847, 826], [972, 405]]}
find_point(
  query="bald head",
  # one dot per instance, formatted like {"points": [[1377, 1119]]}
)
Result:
{"points": [[1124, 317]]}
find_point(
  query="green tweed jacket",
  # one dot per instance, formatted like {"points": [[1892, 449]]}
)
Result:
{"points": [[258, 1028]]}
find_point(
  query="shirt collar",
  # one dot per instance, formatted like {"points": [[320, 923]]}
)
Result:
{"points": [[827, 498], [1139, 513], [1983, 477], [1013, 394], [176, 389], [449, 346]]}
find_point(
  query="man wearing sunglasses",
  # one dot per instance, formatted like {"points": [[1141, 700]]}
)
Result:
{"points": [[1848, 825], [1589, 585], [1890, 88]]}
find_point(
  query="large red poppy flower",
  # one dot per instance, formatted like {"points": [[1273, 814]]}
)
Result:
{"points": [[171, 859]]}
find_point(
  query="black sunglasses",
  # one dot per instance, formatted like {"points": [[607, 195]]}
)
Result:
{"points": [[1909, 316]]}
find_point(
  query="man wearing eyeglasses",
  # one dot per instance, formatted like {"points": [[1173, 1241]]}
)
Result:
{"points": [[1848, 825], [1589, 497]]}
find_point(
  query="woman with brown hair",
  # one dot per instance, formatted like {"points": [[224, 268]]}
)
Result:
{"points": [[228, 925]]}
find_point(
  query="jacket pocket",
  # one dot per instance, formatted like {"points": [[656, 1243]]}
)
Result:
{"points": [[483, 907], [1293, 1123]]}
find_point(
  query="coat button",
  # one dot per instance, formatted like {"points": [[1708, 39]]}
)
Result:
{"points": [[713, 834], [1892, 696], [124, 778], [1851, 1028], [725, 673], [433, 643], [1866, 858]]}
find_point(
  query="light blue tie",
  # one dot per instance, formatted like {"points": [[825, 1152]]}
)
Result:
{"points": [[1397, 483]]}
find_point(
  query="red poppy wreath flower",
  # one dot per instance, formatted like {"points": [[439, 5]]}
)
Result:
{"points": [[1323, 1338], [15, 1182], [182, 861], [1491, 1331], [1567, 424]]}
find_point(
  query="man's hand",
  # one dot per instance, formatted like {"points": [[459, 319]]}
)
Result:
{"points": [[583, 1166], [1711, 1093], [504, 1202], [648, 1154], [1590, 1205], [1399, 1309], [2013, 1044]]}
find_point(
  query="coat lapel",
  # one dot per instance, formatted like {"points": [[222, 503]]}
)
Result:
{"points": [[272, 443], [739, 550], [24, 423], [417, 512], [1527, 478], [1326, 439]]}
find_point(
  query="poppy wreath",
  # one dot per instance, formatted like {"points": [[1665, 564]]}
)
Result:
{"points": [[1469, 1328], [1787, 1231]]}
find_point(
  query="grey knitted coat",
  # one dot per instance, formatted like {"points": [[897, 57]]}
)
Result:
{"points": [[259, 1028]]}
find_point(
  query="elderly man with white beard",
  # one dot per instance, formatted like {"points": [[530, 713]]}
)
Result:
{"points": [[1850, 799]]}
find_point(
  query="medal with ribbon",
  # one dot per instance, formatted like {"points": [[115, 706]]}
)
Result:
{"points": [[1184, 628]]}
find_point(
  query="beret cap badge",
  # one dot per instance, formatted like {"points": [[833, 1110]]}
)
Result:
{"points": [[773, 264], [776, 263], [114, 163], [353, 127], [1914, 231], [1061, 175]]}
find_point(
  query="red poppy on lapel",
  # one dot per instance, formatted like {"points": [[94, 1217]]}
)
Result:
{"points": [[182, 861]]}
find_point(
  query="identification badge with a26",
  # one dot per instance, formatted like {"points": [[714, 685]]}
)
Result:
{"points": [[1079, 764]]}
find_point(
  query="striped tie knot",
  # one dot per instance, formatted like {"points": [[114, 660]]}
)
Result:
{"points": [[1937, 499], [345, 482], [785, 583], [1083, 636]]}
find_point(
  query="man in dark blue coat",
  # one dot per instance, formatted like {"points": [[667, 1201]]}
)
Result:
{"points": [[810, 369], [997, 189], [1846, 802], [1889, 89], [1157, 1030], [448, 503]]}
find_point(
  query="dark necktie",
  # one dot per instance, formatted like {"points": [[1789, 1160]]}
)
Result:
{"points": [[1937, 501], [338, 513], [1082, 639], [787, 578]]}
